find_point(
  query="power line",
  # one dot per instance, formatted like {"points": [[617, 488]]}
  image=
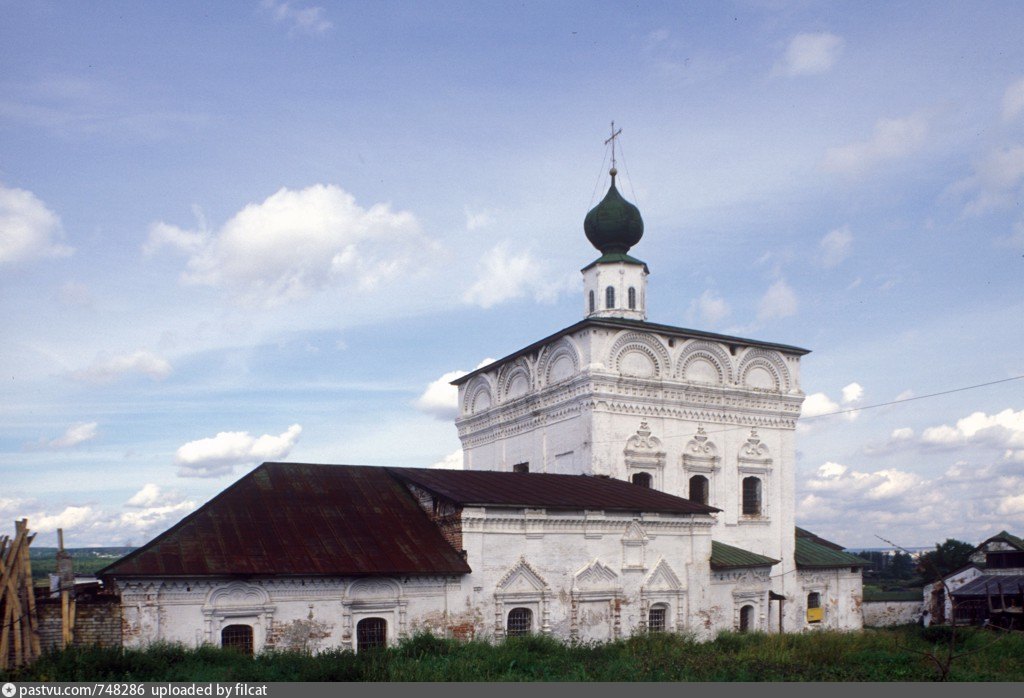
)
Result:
{"points": [[915, 397]]}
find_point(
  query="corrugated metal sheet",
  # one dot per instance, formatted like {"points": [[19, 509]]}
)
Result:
{"points": [[725, 557], [548, 491], [301, 519], [1011, 583], [814, 555]]}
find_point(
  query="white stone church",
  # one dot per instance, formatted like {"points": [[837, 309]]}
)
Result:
{"points": [[620, 477]]}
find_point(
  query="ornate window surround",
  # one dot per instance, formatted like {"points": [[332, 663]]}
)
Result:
{"points": [[643, 454], [700, 457], [754, 460]]}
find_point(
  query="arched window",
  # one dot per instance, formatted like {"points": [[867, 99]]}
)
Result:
{"points": [[632, 298], [371, 633], [656, 618], [642, 479], [746, 618], [237, 637], [699, 489], [751, 496], [609, 297], [814, 610], [520, 622], [592, 301]]}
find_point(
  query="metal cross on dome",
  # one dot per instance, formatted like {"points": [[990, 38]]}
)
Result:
{"points": [[611, 139]]}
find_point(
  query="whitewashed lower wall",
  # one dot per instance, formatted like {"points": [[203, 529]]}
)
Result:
{"points": [[885, 614]]}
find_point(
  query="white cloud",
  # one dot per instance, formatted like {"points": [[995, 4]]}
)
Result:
{"points": [[75, 434], [892, 139], [505, 276], [835, 246], [453, 461], [152, 495], [852, 393], [297, 242], [902, 434], [27, 228], [818, 404], [779, 301], [108, 369], [218, 455], [810, 54], [477, 219], [441, 399], [710, 308], [305, 20], [1013, 101], [996, 181], [963, 502], [1003, 430], [69, 518]]}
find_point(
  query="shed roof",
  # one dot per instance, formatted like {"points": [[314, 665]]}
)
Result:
{"points": [[813, 555], [300, 519], [988, 584], [725, 557], [545, 490]]}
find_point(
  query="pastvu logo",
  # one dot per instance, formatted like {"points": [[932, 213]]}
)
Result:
{"points": [[9, 690]]}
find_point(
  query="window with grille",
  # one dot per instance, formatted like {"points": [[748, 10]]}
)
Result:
{"points": [[751, 496], [642, 479], [632, 298], [814, 610], [520, 622], [656, 619], [609, 297], [371, 633], [237, 637], [699, 489]]}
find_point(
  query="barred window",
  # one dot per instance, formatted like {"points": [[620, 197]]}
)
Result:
{"points": [[237, 637], [699, 489], [656, 618], [609, 297], [751, 496], [642, 479], [371, 633], [520, 622]]}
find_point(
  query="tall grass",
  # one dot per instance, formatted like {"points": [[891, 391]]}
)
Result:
{"points": [[872, 655]]}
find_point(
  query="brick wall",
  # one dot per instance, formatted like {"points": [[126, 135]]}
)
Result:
{"points": [[97, 622]]}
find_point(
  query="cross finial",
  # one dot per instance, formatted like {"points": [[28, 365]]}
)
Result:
{"points": [[611, 139]]}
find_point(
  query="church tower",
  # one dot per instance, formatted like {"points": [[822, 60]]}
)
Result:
{"points": [[700, 415], [615, 284]]}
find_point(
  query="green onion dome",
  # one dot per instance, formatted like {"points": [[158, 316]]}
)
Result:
{"points": [[614, 225]]}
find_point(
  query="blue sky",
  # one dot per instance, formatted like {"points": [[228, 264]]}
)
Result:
{"points": [[264, 230]]}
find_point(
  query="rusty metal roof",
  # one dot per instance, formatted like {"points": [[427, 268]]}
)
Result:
{"points": [[300, 519], [545, 490]]}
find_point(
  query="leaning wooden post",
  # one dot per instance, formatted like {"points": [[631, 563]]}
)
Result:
{"points": [[66, 571], [33, 648]]}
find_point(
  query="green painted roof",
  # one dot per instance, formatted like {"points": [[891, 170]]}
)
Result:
{"points": [[613, 257], [814, 555], [725, 557], [1007, 537], [614, 225]]}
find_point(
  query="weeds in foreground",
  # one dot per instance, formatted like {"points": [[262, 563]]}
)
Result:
{"points": [[871, 655]]}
